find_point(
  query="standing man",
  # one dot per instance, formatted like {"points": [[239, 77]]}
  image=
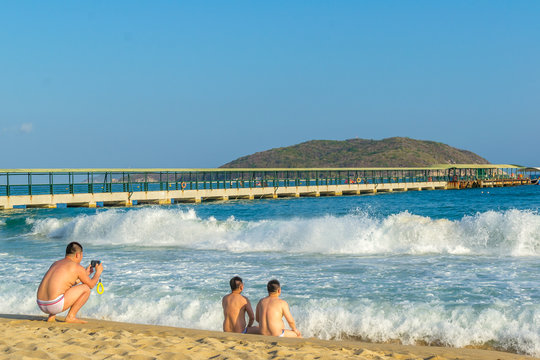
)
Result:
{"points": [[270, 312], [235, 307], [58, 290]]}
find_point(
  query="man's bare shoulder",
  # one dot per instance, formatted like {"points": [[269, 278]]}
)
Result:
{"points": [[279, 303], [239, 298], [58, 263], [234, 297], [74, 266], [266, 301], [67, 265]]}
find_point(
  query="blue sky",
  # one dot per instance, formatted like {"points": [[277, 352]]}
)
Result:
{"points": [[197, 84]]}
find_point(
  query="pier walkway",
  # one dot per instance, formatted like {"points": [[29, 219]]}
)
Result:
{"points": [[57, 188]]}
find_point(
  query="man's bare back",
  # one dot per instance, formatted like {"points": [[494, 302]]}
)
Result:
{"points": [[62, 275], [235, 307], [270, 312], [58, 291]]}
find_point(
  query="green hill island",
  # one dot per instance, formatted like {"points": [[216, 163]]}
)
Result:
{"points": [[358, 153]]}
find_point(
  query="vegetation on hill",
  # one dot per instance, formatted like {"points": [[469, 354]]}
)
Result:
{"points": [[391, 152]]}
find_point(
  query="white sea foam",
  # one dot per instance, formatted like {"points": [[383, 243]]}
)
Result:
{"points": [[16, 298], [499, 324], [424, 322], [338, 319], [512, 232], [166, 296]]}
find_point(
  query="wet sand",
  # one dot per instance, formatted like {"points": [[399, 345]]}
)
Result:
{"points": [[28, 337]]}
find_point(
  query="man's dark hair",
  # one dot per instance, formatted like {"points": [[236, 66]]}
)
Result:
{"points": [[73, 248], [235, 282], [273, 286]]}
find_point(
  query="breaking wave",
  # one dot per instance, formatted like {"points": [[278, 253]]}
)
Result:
{"points": [[499, 326], [511, 232]]}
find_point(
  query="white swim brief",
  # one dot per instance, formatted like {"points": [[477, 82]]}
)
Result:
{"points": [[52, 307]]}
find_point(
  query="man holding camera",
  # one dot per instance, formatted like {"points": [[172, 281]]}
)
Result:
{"points": [[59, 290]]}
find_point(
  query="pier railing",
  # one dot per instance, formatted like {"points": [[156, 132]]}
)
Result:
{"points": [[17, 182]]}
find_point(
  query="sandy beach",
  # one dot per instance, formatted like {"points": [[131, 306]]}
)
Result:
{"points": [[30, 337]]}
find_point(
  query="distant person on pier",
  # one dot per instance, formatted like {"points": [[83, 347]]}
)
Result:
{"points": [[270, 312], [59, 290], [235, 306]]}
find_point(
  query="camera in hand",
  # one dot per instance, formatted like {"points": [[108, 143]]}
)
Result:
{"points": [[93, 263]]}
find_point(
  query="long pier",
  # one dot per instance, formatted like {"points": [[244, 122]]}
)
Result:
{"points": [[60, 188]]}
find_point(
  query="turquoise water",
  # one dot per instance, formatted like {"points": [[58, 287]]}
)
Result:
{"points": [[444, 267]]}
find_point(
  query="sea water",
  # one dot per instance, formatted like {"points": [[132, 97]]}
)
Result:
{"points": [[453, 268]]}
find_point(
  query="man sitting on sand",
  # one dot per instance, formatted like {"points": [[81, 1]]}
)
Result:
{"points": [[270, 312], [235, 306], [58, 292]]}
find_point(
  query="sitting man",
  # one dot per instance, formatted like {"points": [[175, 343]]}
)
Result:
{"points": [[235, 306], [58, 292], [270, 312]]}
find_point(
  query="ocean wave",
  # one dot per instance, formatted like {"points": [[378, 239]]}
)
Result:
{"points": [[503, 233], [501, 326]]}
